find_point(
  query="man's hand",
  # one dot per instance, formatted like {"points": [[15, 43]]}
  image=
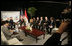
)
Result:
{"points": [[45, 23], [39, 24], [11, 30]]}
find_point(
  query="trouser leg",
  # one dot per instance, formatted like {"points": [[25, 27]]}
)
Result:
{"points": [[47, 30], [37, 26], [19, 38], [41, 28], [34, 26], [50, 30]]}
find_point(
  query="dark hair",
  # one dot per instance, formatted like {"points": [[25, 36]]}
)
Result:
{"points": [[4, 22]]}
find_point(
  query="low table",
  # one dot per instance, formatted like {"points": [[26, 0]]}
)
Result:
{"points": [[35, 32]]}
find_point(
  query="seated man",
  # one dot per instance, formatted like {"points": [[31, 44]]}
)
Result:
{"points": [[12, 25], [7, 33], [41, 23], [34, 22], [37, 22], [46, 24], [21, 21], [5, 28]]}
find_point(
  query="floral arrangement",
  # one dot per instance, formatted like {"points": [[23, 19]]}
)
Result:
{"points": [[29, 28]]}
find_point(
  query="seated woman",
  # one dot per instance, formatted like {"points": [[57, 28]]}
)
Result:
{"points": [[52, 24]]}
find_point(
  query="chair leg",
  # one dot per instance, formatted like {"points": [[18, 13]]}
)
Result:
{"points": [[44, 36], [36, 40]]}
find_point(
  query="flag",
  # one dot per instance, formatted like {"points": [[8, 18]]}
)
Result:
{"points": [[21, 15], [26, 17], [26, 14]]}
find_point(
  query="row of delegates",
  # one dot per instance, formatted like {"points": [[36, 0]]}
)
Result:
{"points": [[48, 24], [37, 23], [52, 23], [41, 24], [12, 24]]}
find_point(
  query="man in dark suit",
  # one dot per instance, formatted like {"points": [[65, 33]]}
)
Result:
{"points": [[34, 22], [21, 21], [41, 23], [46, 24], [12, 23], [37, 23]]}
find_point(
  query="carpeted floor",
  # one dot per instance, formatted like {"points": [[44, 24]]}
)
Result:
{"points": [[32, 41]]}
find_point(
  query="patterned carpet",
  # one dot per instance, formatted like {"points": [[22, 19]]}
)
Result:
{"points": [[32, 41]]}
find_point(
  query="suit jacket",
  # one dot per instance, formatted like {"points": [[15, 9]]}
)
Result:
{"points": [[47, 23], [21, 21], [52, 23], [37, 22], [11, 22], [34, 22], [57, 24], [41, 22]]}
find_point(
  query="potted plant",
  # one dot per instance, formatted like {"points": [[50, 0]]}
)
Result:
{"points": [[31, 12]]}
